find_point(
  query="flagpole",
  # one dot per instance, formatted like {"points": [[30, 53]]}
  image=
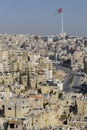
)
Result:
{"points": [[61, 11], [62, 23]]}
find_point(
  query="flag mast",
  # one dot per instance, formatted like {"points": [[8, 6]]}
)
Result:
{"points": [[60, 10], [62, 23]]}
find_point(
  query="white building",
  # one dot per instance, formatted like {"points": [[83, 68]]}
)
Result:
{"points": [[48, 74]]}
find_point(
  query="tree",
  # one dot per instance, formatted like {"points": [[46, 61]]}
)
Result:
{"points": [[67, 63], [20, 79], [51, 92], [28, 78], [28, 81]]}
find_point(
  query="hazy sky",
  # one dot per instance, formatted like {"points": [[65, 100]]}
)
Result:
{"points": [[36, 16]]}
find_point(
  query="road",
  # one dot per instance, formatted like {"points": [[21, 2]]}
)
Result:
{"points": [[66, 82], [67, 79], [76, 80]]}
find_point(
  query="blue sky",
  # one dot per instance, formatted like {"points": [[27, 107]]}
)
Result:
{"points": [[36, 16]]}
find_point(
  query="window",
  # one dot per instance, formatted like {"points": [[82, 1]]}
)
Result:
{"points": [[9, 108], [36, 99], [23, 101], [12, 126]]}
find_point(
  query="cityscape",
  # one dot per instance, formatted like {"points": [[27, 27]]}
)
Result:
{"points": [[43, 65], [43, 82]]}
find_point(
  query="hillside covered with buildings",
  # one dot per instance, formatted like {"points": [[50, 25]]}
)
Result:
{"points": [[43, 82]]}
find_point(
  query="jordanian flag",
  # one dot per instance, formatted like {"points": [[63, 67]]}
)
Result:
{"points": [[60, 10]]}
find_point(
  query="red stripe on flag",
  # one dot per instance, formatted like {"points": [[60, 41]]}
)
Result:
{"points": [[60, 10]]}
